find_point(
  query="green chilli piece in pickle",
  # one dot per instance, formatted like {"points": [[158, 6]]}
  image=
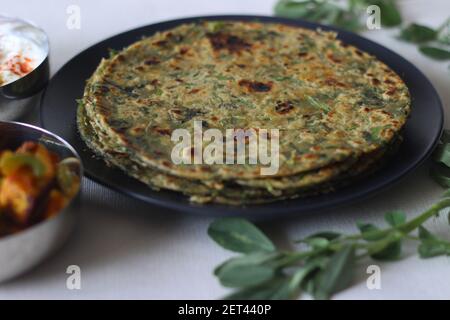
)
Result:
{"points": [[10, 162]]}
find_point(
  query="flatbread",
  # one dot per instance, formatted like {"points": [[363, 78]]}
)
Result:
{"points": [[330, 101], [338, 110]]}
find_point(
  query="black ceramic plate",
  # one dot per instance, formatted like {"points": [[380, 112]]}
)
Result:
{"points": [[58, 114]]}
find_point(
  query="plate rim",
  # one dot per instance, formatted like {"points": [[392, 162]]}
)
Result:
{"points": [[249, 210]]}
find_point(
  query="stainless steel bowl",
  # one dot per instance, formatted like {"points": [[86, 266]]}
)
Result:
{"points": [[21, 251], [22, 95]]}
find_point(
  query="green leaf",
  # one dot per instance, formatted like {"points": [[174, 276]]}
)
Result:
{"points": [[244, 275], [390, 252], [303, 272], [317, 242], [368, 231], [417, 33], [442, 154], [248, 270], [275, 289], [440, 174], [424, 234], [337, 274], [395, 218], [365, 227], [445, 137], [239, 235], [309, 285], [441, 180], [387, 247], [325, 12], [247, 260], [433, 248], [329, 235], [446, 193], [444, 33], [348, 22], [291, 9], [435, 52], [320, 237], [390, 15]]}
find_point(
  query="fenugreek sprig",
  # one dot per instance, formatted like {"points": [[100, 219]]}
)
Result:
{"points": [[351, 15], [325, 264], [347, 14]]}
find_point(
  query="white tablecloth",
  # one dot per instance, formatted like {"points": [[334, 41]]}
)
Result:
{"points": [[127, 249]]}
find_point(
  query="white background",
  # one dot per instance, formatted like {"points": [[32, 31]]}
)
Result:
{"points": [[127, 249]]}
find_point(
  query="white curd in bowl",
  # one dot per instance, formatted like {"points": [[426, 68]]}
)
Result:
{"points": [[23, 47]]}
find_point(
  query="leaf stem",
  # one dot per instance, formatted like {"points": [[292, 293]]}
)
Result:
{"points": [[419, 220]]}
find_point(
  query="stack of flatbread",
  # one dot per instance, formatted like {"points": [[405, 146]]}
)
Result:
{"points": [[324, 112]]}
